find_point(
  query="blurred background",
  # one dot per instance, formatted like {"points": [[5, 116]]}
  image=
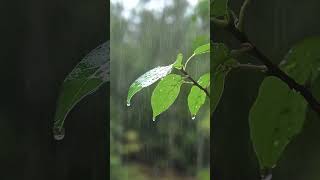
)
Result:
{"points": [[146, 34]]}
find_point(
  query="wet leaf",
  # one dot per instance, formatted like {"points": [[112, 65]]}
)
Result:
{"points": [[165, 93], [218, 8], [197, 97], [303, 60], [202, 49], [178, 62], [148, 79], [275, 118], [84, 79]]}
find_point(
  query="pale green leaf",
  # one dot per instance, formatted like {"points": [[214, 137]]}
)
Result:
{"points": [[178, 63], [202, 49], [197, 97], [85, 78], [165, 93], [148, 79], [275, 118]]}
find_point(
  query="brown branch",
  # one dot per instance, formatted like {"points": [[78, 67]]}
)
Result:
{"points": [[274, 70], [194, 82]]}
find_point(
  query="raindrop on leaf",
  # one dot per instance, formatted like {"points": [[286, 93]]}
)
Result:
{"points": [[193, 118], [128, 104]]}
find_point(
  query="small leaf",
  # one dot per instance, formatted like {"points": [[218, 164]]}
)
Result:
{"points": [[217, 86], [196, 96], [202, 49], [303, 60], [165, 93], [275, 118], [219, 54], [85, 78], [148, 79], [178, 62], [218, 8]]}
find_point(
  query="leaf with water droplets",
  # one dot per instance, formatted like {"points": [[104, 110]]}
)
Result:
{"points": [[148, 79], [88, 75], [165, 93], [202, 49], [275, 118], [197, 97], [302, 62]]}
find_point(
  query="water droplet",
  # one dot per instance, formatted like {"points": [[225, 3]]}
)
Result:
{"points": [[128, 104], [153, 119], [59, 134], [193, 117]]}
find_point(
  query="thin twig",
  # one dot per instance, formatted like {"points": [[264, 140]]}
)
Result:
{"points": [[241, 14], [261, 68], [194, 82]]}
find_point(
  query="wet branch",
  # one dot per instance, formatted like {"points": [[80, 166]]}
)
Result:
{"points": [[272, 69], [194, 82]]}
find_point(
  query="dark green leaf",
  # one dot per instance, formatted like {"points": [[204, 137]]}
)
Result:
{"points": [[85, 78], [303, 60], [202, 49], [218, 8], [197, 96], [275, 118], [219, 54], [217, 86], [165, 93], [178, 62], [148, 79]]}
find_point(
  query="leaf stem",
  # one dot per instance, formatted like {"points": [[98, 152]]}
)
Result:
{"points": [[185, 65], [261, 68], [242, 13], [194, 82]]}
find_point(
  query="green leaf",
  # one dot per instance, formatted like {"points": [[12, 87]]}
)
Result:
{"points": [[196, 96], [218, 8], [217, 86], [91, 72], [202, 49], [148, 79], [178, 62], [219, 54], [275, 118], [303, 60], [165, 93]]}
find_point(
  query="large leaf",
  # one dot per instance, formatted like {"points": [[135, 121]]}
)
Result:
{"points": [[148, 79], [303, 60], [84, 79], [165, 93], [197, 97], [275, 118], [218, 8]]}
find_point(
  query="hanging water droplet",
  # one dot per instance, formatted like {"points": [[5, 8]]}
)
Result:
{"points": [[193, 117], [128, 104], [153, 119], [58, 134]]}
